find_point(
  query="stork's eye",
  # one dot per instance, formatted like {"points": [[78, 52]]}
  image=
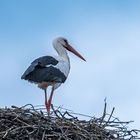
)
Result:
{"points": [[65, 41]]}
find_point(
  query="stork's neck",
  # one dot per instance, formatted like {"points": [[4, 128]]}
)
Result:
{"points": [[62, 52]]}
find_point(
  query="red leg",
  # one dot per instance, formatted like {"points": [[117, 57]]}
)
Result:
{"points": [[50, 101], [46, 104]]}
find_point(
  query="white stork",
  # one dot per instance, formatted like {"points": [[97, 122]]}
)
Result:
{"points": [[51, 70]]}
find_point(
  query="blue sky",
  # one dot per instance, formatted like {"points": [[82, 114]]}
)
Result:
{"points": [[106, 33]]}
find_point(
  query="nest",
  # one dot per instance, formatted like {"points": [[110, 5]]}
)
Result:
{"points": [[32, 123]]}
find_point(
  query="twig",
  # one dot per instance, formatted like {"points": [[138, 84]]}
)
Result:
{"points": [[27, 122]]}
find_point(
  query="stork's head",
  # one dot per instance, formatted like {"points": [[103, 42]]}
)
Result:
{"points": [[61, 44]]}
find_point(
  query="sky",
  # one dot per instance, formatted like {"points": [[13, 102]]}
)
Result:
{"points": [[106, 33]]}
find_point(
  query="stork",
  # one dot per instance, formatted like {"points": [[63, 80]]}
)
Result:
{"points": [[51, 70]]}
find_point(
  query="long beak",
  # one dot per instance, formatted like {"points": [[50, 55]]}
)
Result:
{"points": [[71, 49]]}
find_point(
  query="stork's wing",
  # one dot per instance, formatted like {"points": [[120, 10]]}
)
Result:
{"points": [[43, 70]]}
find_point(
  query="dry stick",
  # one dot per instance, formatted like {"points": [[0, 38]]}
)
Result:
{"points": [[59, 126], [104, 113], [108, 121], [7, 131], [43, 136], [55, 112]]}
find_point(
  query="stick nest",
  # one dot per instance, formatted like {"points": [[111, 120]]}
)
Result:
{"points": [[32, 123]]}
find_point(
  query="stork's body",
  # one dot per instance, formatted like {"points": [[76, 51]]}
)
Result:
{"points": [[51, 70]]}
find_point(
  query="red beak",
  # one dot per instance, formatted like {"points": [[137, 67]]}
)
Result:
{"points": [[71, 49]]}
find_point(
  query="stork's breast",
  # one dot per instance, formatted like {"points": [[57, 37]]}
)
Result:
{"points": [[64, 67]]}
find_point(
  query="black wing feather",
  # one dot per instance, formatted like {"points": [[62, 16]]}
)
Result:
{"points": [[39, 72]]}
